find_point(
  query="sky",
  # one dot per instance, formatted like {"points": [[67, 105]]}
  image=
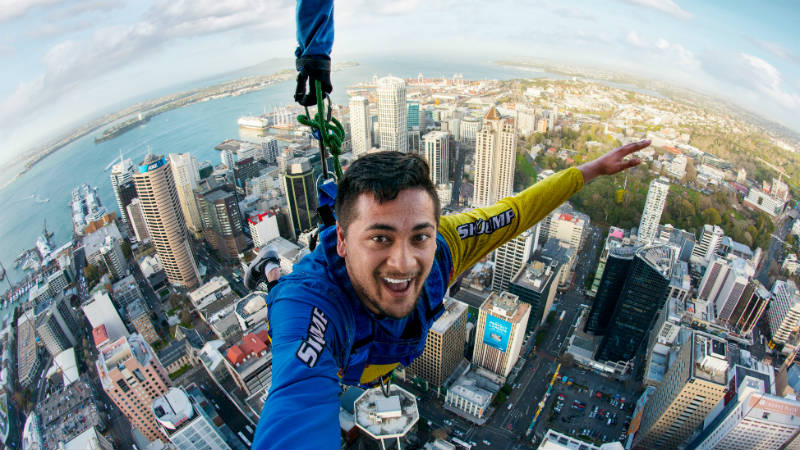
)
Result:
{"points": [[67, 61]]}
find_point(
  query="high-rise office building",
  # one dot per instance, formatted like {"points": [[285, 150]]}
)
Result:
{"points": [[138, 224], [784, 311], [437, 153], [733, 289], [653, 207], [133, 377], [617, 266], [495, 157], [643, 293], [56, 327], [748, 309], [710, 239], [121, 174], [100, 312], [139, 317], [221, 220], [510, 257], [468, 129], [227, 158], [185, 422], [301, 192], [165, 222], [444, 347], [186, 174], [360, 126], [693, 385], [753, 419], [502, 321], [536, 284], [566, 227], [392, 113], [413, 116]]}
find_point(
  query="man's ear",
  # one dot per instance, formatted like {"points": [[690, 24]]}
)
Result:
{"points": [[341, 246]]}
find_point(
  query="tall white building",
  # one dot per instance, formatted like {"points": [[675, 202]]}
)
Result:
{"points": [[437, 153], [754, 419], [653, 207], [101, 313], [709, 241], [510, 257], [186, 175], [360, 126], [226, 157], [495, 157], [502, 320], [392, 114], [121, 173], [784, 311], [185, 423]]}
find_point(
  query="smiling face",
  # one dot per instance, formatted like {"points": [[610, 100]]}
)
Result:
{"points": [[388, 249]]}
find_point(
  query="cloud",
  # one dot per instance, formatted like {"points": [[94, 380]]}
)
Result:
{"points": [[776, 49], [667, 6], [11, 9], [573, 13], [72, 62], [634, 39], [759, 80]]}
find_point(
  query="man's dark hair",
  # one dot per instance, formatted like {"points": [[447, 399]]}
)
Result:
{"points": [[384, 174]]}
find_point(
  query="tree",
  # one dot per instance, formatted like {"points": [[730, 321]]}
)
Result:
{"points": [[711, 216]]}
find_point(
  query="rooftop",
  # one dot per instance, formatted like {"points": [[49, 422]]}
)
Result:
{"points": [[383, 417], [251, 304], [453, 310], [536, 275], [710, 358], [173, 409], [659, 257]]}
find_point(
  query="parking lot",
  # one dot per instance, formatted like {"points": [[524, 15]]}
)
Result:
{"points": [[584, 412]]}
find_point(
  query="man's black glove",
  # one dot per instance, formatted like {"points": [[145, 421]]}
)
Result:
{"points": [[311, 69]]}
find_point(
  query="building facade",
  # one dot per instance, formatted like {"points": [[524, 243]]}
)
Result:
{"points": [[165, 222], [437, 153], [133, 377], [360, 126], [186, 174], [495, 158], [444, 347], [784, 311], [653, 208], [392, 114], [510, 257], [502, 321]]}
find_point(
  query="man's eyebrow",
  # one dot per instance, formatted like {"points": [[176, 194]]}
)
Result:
{"points": [[386, 227]]}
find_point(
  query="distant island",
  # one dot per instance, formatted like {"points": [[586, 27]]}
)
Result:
{"points": [[142, 112]]}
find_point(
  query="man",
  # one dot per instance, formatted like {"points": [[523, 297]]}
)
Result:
{"points": [[362, 303]]}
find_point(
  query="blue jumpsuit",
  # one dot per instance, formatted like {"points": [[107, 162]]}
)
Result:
{"points": [[323, 336]]}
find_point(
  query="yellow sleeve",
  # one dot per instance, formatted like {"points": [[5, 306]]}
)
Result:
{"points": [[473, 235]]}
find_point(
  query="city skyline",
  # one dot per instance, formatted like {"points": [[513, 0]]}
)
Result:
{"points": [[71, 61]]}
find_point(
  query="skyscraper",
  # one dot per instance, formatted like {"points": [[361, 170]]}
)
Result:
{"points": [[693, 385], [360, 126], [165, 222], [301, 192], [643, 293], [122, 173], [653, 207], [502, 320], [133, 377], [221, 220], [437, 153], [749, 309], [56, 327], [754, 419], [509, 258], [185, 422], [784, 311], [186, 175], [710, 239], [495, 157], [392, 112], [444, 347], [413, 116], [136, 217], [615, 272], [536, 284]]}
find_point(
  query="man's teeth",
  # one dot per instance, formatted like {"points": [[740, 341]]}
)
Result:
{"points": [[397, 280]]}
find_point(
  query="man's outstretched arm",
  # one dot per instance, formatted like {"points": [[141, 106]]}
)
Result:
{"points": [[302, 409], [473, 235]]}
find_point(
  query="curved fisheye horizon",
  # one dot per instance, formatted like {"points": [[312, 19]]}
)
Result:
{"points": [[70, 61]]}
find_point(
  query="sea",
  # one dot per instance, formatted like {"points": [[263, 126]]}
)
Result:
{"points": [[44, 192]]}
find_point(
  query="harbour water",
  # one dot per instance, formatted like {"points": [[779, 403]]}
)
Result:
{"points": [[45, 191]]}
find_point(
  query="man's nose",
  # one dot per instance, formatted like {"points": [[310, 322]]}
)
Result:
{"points": [[401, 258]]}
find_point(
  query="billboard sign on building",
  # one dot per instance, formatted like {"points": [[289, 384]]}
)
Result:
{"points": [[496, 333]]}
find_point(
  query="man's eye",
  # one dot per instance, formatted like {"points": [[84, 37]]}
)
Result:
{"points": [[381, 239], [421, 237]]}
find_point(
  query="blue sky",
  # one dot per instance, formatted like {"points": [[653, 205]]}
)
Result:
{"points": [[67, 60]]}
